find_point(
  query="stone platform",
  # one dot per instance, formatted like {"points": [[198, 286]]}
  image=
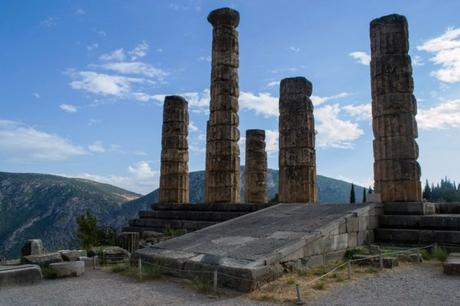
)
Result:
{"points": [[188, 217], [259, 246], [19, 275], [420, 223]]}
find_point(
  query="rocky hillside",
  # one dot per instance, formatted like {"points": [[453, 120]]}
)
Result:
{"points": [[46, 206]]}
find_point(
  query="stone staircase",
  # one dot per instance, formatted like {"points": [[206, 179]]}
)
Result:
{"points": [[420, 224], [188, 217]]}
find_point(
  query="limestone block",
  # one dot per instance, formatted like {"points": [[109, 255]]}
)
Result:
{"points": [[44, 259], [19, 275], [32, 247], [72, 255], [66, 269]]}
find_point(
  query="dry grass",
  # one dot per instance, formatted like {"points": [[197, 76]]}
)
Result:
{"points": [[283, 289]]}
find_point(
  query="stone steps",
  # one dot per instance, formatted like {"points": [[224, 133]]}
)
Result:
{"points": [[435, 222], [215, 216], [417, 236], [452, 264], [189, 225]]}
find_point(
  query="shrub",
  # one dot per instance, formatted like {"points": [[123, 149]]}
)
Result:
{"points": [[91, 235]]}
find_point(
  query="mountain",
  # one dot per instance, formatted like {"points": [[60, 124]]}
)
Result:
{"points": [[46, 206]]}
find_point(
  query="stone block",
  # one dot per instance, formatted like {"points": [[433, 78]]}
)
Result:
{"points": [[32, 247], [66, 269], [72, 255], [19, 275], [44, 259], [90, 262], [452, 264], [353, 239], [352, 223]]}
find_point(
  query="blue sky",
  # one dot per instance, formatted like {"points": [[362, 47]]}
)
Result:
{"points": [[82, 82]]}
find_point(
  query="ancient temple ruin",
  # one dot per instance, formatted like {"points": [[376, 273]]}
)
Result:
{"points": [[174, 181], [222, 182], [255, 171], [297, 159], [396, 170]]}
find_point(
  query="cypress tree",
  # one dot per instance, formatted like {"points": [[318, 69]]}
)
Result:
{"points": [[352, 194], [364, 195], [427, 191]]}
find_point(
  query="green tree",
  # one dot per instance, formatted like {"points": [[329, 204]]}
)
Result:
{"points": [[427, 191], [352, 194], [91, 235], [275, 199], [364, 195]]}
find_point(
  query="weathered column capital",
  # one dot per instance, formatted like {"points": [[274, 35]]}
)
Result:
{"points": [[296, 86], [224, 17]]}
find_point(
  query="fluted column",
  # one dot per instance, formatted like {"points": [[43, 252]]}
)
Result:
{"points": [[222, 151], [174, 182], [297, 158], [396, 170], [255, 170]]}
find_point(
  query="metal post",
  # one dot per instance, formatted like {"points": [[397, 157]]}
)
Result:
{"points": [[215, 281], [349, 269], [139, 266], [299, 300]]}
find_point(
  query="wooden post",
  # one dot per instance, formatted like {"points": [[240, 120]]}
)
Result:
{"points": [[215, 282], [299, 300]]}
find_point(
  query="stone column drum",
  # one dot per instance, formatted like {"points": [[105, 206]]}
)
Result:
{"points": [[255, 170], [297, 158], [222, 183], [174, 182], [396, 170]]}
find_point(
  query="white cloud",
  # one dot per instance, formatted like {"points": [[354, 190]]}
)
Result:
{"points": [[262, 104], [139, 51], [36, 95], [102, 84], [198, 102], [116, 55], [24, 143], [273, 83], [360, 111], [193, 127], [205, 58], [417, 61], [48, 22], [333, 131], [80, 11], [97, 147], [446, 51], [316, 100], [69, 108], [271, 141], [92, 47], [140, 178], [294, 49], [135, 68], [361, 57], [443, 116]]}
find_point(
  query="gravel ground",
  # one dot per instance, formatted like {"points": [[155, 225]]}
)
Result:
{"points": [[415, 285], [100, 288]]}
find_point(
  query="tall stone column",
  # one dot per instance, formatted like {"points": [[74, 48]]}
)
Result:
{"points": [[174, 183], [222, 151], [396, 170], [255, 170], [297, 158]]}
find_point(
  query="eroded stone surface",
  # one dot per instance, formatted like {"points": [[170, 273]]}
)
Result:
{"points": [[396, 170], [222, 182], [174, 181], [19, 275], [32, 247], [68, 268], [297, 157], [255, 170]]}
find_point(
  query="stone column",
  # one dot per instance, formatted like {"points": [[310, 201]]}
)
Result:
{"points": [[297, 158], [174, 184], [222, 151], [255, 170], [396, 170]]}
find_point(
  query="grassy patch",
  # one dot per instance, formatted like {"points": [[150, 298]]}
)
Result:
{"points": [[49, 273], [439, 253], [319, 286], [202, 284]]}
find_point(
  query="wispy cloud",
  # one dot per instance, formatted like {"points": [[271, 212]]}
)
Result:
{"points": [[80, 11], [446, 53], [115, 55], [36, 95], [317, 100], [445, 115], [97, 147], [139, 68], [361, 57], [139, 51], [273, 83], [294, 49], [25, 143], [69, 108], [359, 111], [139, 177], [48, 22], [262, 103], [92, 46]]}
